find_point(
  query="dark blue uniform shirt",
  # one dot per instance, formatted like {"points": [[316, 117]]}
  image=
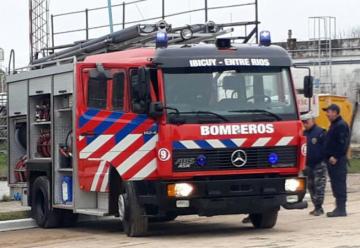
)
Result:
{"points": [[337, 139], [315, 145]]}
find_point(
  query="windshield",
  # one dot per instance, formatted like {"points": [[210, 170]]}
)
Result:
{"points": [[206, 96]]}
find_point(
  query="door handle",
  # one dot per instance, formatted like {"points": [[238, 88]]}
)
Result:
{"points": [[88, 133]]}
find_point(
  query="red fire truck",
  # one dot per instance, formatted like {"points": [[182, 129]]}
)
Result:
{"points": [[154, 132]]}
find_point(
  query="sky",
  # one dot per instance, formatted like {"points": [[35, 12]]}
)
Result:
{"points": [[277, 16]]}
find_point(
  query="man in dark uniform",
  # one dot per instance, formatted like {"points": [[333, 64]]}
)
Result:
{"points": [[336, 146], [315, 165]]}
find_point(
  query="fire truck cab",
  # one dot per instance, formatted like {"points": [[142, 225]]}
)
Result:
{"points": [[153, 133]]}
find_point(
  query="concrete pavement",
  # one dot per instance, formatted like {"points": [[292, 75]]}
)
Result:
{"points": [[294, 229]]}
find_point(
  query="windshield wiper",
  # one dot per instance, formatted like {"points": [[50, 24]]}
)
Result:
{"points": [[261, 111], [207, 113], [178, 113]]}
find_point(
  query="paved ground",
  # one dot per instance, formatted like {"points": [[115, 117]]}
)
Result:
{"points": [[294, 229], [6, 207]]}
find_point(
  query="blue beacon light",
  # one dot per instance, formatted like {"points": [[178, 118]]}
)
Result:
{"points": [[265, 38], [161, 39], [201, 160], [273, 158]]}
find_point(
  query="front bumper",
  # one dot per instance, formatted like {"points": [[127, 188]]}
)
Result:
{"points": [[217, 197]]}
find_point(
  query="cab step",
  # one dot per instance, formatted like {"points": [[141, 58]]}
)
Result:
{"points": [[93, 211]]}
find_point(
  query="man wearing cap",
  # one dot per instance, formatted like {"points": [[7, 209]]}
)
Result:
{"points": [[336, 146], [315, 165]]}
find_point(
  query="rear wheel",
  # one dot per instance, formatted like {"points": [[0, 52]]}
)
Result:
{"points": [[131, 213], [44, 215], [264, 220]]}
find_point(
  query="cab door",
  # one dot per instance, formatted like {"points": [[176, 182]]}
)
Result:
{"points": [[108, 132]]}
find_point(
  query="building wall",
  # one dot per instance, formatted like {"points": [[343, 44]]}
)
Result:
{"points": [[345, 69]]}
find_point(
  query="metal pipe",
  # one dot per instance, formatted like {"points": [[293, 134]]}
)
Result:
{"points": [[110, 16], [163, 9], [206, 11], [257, 20], [31, 31], [94, 44], [123, 15], [12, 57], [52, 32], [87, 23]]}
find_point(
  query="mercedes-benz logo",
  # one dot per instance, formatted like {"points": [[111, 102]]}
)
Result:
{"points": [[239, 158]]}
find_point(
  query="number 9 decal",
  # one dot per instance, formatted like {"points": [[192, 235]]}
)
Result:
{"points": [[164, 154], [304, 149]]}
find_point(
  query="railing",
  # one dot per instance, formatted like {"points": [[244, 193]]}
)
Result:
{"points": [[250, 28]]}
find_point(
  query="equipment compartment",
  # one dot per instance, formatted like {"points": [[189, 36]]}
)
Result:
{"points": [[17, 150], [63, 151], [40, 127]]}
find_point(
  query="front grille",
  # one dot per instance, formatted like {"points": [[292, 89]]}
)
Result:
{"points": [[220, 159]]}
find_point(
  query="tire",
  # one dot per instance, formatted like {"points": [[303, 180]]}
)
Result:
{"points": [[264, 220], [41, 210], [131, 213]]}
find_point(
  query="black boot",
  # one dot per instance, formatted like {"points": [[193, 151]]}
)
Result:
{"points": [[339, 211], [318, 211]]}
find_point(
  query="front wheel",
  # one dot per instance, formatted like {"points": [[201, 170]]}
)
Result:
{"points": [[264, 220], [131, 213]]}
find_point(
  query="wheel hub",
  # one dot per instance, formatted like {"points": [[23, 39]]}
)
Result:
{"points": [[121, 205]]}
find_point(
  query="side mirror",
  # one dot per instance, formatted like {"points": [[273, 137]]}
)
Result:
{"points": [[156, 109], [308, 86]]}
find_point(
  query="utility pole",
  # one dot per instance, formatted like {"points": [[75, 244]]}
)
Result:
{"points": [[110, 16]]}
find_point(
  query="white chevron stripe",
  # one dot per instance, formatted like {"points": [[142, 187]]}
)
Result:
{"points": [[238, 142], [97, 175], [190, 144], [146, 171], [284, 141], [105, 181], [261, 142], [121, 146], [138, 155], [94, 145], [215, 143]]}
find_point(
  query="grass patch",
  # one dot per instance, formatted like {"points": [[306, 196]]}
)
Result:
{"points": [[354, 166], [3, 165], [14, 215]]}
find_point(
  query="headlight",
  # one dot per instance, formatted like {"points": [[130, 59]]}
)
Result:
{"points": [[186, 34], [295, 184], [179, 190]]}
